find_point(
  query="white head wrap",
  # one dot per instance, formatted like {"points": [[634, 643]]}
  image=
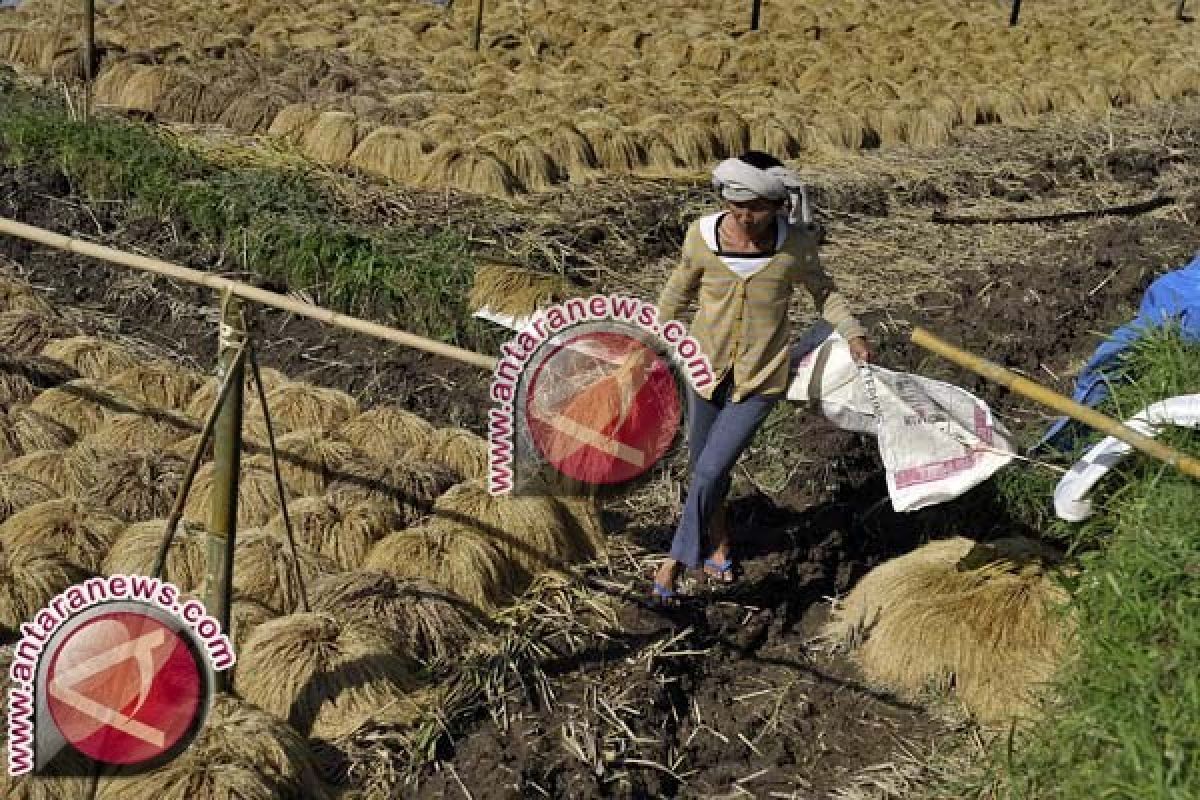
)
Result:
{"points": [[740, 182]]}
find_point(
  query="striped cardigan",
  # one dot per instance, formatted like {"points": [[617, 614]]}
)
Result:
{"points": [[742, 323]]}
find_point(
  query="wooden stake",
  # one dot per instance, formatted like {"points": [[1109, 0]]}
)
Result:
{"points": [[1064, 405], [1179, 15], [1016, 13], [89, 39], [227, 452], [477, 28], [755, 14], [245, 291]]}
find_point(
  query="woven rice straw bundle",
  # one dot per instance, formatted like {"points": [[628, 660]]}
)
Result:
{"points": [[136, 547], [84, 405], [396, 153], [34, 431], [81, 532], [144, 89], [157, 385], [252, 112], [454, 557], [529, 529], [241, 752], [24, 332], [836, 131], [440, 127], [617, 149], [297, 406], [461, 451], [386, 433], [15, 388], [30, 577], [775, 134], [258, 496], [729, 128], [941, 616], [408, 487], [110, 83], [426, 621], [293, 121], [567, 147], [324, 678], [927, 128], [309, 460], [137, 485], [68, 472], [659, 153], [527, 161], [158, 430], [244, 617], [341, 532], [264, 571], [17, 295], [182, 100], [470, 170], [511, 289], [204, 398], [91, 357], [18, 492], [332, 137]]}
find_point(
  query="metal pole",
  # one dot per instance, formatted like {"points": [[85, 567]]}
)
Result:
{"points": [[1016, 13], [477, 29], [755, 14], [227, 452], [89, 39]]}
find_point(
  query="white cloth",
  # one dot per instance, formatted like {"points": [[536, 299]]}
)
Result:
{"points": [[1071, 501], [743, 266], [741, 182]]}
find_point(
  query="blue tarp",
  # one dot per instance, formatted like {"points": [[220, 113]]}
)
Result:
{"points": [[1174, 297]]}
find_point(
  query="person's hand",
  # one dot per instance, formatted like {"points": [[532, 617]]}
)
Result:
{"points": [[860, 350]]}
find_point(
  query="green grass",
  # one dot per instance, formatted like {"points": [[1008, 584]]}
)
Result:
{"points": [[1127, 724], [282, 224]]}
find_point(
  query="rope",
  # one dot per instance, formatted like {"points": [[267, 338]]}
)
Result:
{"points": [[287, 521]]}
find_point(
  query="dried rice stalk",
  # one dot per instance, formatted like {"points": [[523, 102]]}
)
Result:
{"points": [[24, 332], [293, 121], [158, 430], [69, 472], [157, 385], [81, 532], [264, 571], [308, 460], [17, 295], [299, 406], [258, 496], [462, 451], [331, 138], [386, 433], [83, 405], [396, 153], [324, 678], [137, 485], [515, 290], [136, 547], [424, 619], [34, 431], [469, 170], [18, 492], [91, 357], [202, 401], [30, 577], [341, 532], [408, 487]]}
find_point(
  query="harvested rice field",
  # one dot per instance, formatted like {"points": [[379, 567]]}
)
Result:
{"points": [[424, 656], [562, 92]]}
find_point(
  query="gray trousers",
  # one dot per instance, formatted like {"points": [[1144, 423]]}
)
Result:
{"points": [[718, 431]]}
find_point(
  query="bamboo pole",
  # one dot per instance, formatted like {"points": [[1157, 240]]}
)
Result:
{"points": [[1048, 397], [755, 14], [245, 291], [210, 422], [477, 27], [89, 39], [227, 452], [1016, 13]]}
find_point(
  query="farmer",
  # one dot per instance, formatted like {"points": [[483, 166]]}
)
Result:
{"points": [[744, 262]]}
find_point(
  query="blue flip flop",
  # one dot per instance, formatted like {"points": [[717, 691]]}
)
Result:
{"points": [[724, 572], [664, 596]]}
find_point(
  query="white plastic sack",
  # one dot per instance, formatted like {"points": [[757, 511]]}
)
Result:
{"points": [[1070, 496], [936, 440]]}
